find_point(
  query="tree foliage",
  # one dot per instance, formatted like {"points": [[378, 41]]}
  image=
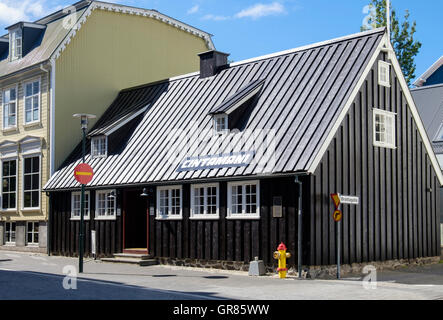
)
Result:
{"points": [[402, 35]]}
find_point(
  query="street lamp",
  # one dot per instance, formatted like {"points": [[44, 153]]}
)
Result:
{"points": [[84, 118]]}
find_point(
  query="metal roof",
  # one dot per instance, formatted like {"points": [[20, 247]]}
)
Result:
{"points": [[54, 34], [303, 94], [241, 96]]}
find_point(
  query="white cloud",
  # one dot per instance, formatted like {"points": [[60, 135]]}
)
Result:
{"points": [[262, 10], [16, 11], [254, 12], [215, 17], [194, 9]]}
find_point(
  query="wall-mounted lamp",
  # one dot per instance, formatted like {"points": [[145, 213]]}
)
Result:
{"points": [[112, 195], [145, 193]]}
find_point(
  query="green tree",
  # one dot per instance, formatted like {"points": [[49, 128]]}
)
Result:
{"points": [[402, 35]]}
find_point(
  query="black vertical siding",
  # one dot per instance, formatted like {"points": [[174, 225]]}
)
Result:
{"points": [[398, 189]]}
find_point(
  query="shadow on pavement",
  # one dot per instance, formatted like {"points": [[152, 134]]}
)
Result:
{"points": [[29, 285]]}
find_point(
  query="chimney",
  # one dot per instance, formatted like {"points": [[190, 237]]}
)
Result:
{"points": [[211, 62]]}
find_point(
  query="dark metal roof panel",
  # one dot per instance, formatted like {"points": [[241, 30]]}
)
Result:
{"points": [[303, 94]]}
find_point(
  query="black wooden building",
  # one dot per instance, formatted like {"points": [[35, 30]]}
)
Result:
{"points": [[203, 167]]}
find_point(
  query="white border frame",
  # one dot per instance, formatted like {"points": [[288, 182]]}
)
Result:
{"points": [[158, 216], [22, 194], [11, 128], [387, 65], [106, 217], [87, 215], [106, 146], [31, 123], [214, 123], [11, 58], [205, 215], [243, 215], [31, 244], [4, 237], [16, 184], [376, 112]]}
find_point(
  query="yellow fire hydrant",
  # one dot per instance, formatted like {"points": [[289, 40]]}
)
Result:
{"points": [[281, 255]]}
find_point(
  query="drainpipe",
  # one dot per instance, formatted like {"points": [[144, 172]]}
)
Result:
{"points": [[300, 223]]}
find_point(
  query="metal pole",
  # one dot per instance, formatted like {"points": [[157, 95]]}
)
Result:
{"points": [[388, 18], [299, 249], [338, 248], [82, 210]]}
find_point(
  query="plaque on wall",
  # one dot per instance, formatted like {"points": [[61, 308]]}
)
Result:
{"points": [[277, 207]]}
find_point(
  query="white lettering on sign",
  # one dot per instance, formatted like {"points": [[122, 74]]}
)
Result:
{"points": [[349, 199], [239, 159]]}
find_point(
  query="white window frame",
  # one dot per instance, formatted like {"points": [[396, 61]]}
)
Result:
{"points": [[14, 53], [32, 232], [95, 140], [24, 157], [169, 216], [383, 65], [386, 114], [9, 127], [205, 215], [243, 215], [107, 216], [218, 130], [87, 205], [32, 100], [15, 233], [16, 183]]}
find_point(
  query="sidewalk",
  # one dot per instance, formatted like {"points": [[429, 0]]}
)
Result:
{"points": [[34, 276]]}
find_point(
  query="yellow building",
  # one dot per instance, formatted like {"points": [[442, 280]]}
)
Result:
{"points": [[75, 60]]}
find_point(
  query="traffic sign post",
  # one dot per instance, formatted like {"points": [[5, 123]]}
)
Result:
{"points": [[338, 199]]}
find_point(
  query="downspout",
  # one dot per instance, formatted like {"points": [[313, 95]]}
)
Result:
{"points": [[300, 223], [48, 217]]}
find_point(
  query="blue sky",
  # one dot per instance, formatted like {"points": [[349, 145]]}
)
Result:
{"points": [[249, 28]]}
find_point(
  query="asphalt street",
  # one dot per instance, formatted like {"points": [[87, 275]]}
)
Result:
{"points": [[34, 276]]}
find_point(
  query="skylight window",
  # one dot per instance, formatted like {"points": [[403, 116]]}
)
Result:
{"points": [[99, 147], [220, 123], [15, 44]]}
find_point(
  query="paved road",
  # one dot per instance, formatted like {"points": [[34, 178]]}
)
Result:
{"points": [[32, 276]]}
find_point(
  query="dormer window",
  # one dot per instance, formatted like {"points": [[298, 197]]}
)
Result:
{"points": [[99, 147], [383, 74], [220, 123], [15, 44]]}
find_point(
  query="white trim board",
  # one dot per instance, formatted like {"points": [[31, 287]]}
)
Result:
{"points": [[410, 101], [422, 79], [132, 11]]}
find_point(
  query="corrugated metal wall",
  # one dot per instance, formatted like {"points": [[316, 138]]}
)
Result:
{"points": [[398, 216]]}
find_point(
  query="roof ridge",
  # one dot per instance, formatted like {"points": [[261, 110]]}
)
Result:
{"points": [[310, 46]]}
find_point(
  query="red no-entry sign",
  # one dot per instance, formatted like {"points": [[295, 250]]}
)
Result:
{"points": [[83, 173]]}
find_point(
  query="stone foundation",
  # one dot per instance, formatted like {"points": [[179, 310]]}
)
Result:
{"points": [[312, 272], [35, 249]]}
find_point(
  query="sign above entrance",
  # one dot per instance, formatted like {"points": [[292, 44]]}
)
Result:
{"points": [[230, 160], [83, 173]]}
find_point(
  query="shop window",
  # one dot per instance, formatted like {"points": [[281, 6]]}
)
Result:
{"points": [[243, 200], [10, 233], [204, 201], [76, 205], [106, 205], [31, 182], [9, 184], [169, 202], [32, 233]]}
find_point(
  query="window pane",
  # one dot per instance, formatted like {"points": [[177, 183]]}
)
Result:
{"points": [[35, 164], [28, 91], [35, 199], [28, 165]]}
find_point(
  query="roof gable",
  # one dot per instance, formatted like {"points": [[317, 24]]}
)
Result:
{"points": [[304, 92]]}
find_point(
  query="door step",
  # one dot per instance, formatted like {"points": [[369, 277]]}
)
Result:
{"points": [[132, 258]]}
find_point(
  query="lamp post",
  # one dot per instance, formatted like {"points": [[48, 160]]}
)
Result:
{"points": [[84, 118]]}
